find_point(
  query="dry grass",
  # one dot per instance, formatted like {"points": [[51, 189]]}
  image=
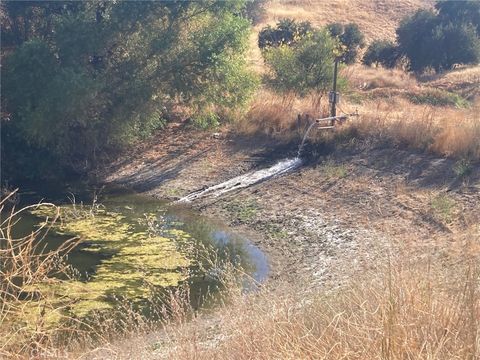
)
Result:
{"points": [[24, 308], [407, 307], [445, 131], [378, 19], [394, 107], [368, 78], [465, 81]]}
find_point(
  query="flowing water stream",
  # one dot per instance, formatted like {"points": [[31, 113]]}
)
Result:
{"points": [[253, 177], [245, 180]]}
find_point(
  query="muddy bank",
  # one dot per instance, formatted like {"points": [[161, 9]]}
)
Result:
{"points": [[328, 219]]}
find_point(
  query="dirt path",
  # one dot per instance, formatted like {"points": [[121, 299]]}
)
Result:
{"points": [[325, 221]]}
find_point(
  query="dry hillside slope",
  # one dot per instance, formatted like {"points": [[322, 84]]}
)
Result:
{"points": [[376, 18]]}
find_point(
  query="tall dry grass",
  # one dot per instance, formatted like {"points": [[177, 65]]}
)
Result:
{"points": [[406, 307], [24, 268], [377, 19], [440, 130], [393, 107]]}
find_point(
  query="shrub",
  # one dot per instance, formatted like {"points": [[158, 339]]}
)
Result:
{"points": [[382, 52], [464, 12], [351, 39], [440, 41], [305, 67], [255, 11], [286, 32], [206, 120], [72, 89]]}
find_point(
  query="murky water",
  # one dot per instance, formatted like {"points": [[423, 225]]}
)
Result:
{"points": [[132, 245]]}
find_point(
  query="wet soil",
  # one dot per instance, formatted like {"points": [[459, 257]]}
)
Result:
{"points": [[347, 205]]}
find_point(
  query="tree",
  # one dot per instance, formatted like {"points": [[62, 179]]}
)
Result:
{"points": [[415, 39], [382, 52], [460, 12], [351, 39], [286, 32], [90, 78], [441, 41], [304, 67]]}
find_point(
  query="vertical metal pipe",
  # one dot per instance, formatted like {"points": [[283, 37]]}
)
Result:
{"points": [[334, 102]]}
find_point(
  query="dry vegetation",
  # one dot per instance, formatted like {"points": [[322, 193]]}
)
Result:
{"points": [[420, 307], [393, 107], [376, 18]]}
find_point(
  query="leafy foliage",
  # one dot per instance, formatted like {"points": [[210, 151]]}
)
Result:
{"points": [[255, 11], [351, 39], [464, 12], [87, 77], [382, 52], [287, 32], [303, 67], [441, 41]]}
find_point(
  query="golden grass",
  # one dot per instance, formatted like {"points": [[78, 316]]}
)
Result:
{"points": [[465, 81], [406, 307], [368, 78], [384, 101], [25, 311], [446, 131], [377, 19]]}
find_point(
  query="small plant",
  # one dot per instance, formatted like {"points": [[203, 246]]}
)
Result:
{"points": [[243, 211], [462, 168], [443, 206], [275, 231], [206, 120], [173, 192], [334, 171]]}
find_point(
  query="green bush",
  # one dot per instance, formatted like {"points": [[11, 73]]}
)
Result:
{"points": [[206, 120], [381, 52], [304, 67], [85, 78], [351, 39], [286, 32], [441, 41]]}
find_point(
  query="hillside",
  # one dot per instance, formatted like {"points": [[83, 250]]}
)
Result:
{"points": [[377, 19]]}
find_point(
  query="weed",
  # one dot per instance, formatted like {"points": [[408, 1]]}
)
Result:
{"points": [[437, 97], [243, 211], [462, 168], [275, 231], [333, 170], [173, 192], [443, 206]]}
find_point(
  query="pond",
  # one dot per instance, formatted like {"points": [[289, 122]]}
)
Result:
{"points": [[133, 246]]}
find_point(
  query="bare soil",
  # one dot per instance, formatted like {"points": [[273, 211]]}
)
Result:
{"points": [[348, 204]]}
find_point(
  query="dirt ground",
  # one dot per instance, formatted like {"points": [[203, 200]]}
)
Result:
{"points": [[349, 204]]}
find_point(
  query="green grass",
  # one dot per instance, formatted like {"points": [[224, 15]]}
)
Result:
{"points": [[437, 97], [243, 211], [443, 207], [332, 170]]}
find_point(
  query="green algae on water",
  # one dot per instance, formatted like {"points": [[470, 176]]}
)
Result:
{"points": [[134, 263]]}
